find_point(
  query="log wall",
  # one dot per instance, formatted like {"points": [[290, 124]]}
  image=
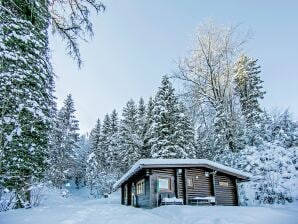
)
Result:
{"points": [[225, 190]]}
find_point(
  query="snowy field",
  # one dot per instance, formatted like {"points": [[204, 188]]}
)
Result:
{"points": [[79, 209]]}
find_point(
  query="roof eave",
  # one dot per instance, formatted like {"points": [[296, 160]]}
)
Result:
{"points": [[242, 178]]}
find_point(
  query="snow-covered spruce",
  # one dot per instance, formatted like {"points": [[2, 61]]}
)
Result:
{"points": [[171, 133], [26, 100], [63, 154], [249, 89]]}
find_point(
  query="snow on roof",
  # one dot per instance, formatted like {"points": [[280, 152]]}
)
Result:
{"points": [[148, 163]]}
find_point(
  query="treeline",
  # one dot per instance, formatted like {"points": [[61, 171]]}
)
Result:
{"points": [[160, 128]]}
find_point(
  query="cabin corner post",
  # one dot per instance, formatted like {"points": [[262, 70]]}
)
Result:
{"points": [[214, 185], [184, 172], [122, 194], [237, 192], [151, 192], [176, 182]]}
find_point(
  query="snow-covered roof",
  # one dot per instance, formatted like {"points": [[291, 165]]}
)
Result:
{"points": [[162, 163]]}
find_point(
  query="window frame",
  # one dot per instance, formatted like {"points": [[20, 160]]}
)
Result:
{"points": [[192, 179], [169, 189], [223, 183], [140, 187]]}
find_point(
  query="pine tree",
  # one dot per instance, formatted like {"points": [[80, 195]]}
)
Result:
{"points": [[27, 84], [141, 125], [167, 134], [103, 167], [249, 88], [129, 139], [284, 130], [104, 142], [63, 156], [185, 132], [92, 171], [26, 95], [95, 136], [92, 160], [145, 152], [114, 151], [81, 160]]}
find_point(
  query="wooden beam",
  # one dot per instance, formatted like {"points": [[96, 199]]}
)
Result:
{"points": [[176, 183], [122, 194], [129, 194], [214, 185], [184, 174], [237, 192]]}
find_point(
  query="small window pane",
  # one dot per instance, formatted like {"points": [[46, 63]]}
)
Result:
{"points": [[190, 182], [164, 183], [140, 187], [223, 183]]}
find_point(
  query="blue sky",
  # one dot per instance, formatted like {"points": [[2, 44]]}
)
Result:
{"points": [[138, 41]]}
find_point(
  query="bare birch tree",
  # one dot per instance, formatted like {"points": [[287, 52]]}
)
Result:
{"points": [[208, 74]]}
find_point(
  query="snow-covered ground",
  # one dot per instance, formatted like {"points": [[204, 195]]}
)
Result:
{"points": [[79, 209]]}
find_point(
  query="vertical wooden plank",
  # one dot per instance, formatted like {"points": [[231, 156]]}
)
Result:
{"points": [[214, 185], [129, 194], [184, 172], [237, 192], [122, 194], [149, 192], [176, 183], [153, 191]]}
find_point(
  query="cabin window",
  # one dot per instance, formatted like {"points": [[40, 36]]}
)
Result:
{"points": [[190, 182], [223, 183], [141, 187], [164, 184]]}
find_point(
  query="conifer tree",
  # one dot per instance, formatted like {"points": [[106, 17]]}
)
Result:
{"points": [[95, 136], [103, 167], [249, 88], [26, 95], [141, 123], [284, 130], [92, 172], [92, 160], [129, 139], [81, 160], [114, 151], [63, 155], [167, 135], [26, 84], [104, 142], [185, 132], [145, 152]]}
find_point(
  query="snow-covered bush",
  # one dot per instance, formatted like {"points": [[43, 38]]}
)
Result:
{"points": [[7, 199], [65, 193], [37, 193], [275, 175], [103, 183]]}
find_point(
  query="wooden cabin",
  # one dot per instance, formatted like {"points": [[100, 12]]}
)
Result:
{"points": [[154, 182]]}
